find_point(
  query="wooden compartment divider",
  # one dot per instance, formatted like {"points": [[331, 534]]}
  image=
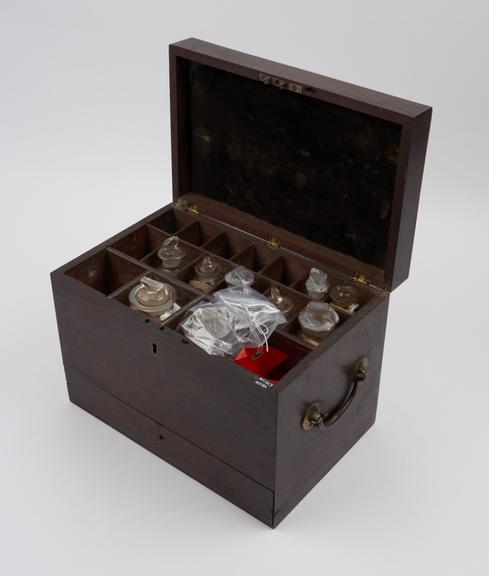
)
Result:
{"points": [[226, 245], [115, 269], [198, 233]]}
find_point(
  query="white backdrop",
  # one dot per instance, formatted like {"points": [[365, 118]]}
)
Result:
{"points": [[85, 152]]}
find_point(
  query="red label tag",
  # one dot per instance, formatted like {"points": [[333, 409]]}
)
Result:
{"points": [[261, 361]]}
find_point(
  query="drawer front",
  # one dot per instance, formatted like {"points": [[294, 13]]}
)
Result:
{"points": [[201, 466], [206, 400], [305, 456]]}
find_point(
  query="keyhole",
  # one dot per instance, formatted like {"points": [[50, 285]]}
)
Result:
{"points": [[154, 347]]}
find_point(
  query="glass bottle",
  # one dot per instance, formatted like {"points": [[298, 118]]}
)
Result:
{"points": [[317, 320], [345, 296], [317, 284], [152, 297], [171, 253], [283, 303]]}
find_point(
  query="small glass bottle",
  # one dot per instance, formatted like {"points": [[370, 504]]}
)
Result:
{"points": [[208, 273], [345, 296], [283, 303], [317, 284], [153, 297], [171, 253], [317, 320]]}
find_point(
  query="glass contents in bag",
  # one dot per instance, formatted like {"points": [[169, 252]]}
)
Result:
{"points": [[317, 320], [239, 276], [171, 253], [239, 317], [317, 284], [345, 296], [157, 299]]}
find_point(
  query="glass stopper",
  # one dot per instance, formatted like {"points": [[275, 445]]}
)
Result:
{"points": [[345, 296], [283, 303], [317, 284], [171, 253], [152, 296], [318, 319], [208, 270]]}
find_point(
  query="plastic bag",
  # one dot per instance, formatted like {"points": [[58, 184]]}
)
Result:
{"points": [[239, 276], [238, 317]]}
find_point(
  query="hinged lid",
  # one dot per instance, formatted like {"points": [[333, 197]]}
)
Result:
{"points": [[334, 169]]}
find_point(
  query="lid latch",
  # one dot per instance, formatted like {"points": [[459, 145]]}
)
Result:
{"points": [[281, 83]]}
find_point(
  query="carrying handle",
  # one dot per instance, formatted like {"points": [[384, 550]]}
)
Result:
{"points": [[315, 417]]}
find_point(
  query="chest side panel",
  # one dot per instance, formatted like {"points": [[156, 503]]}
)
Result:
{"points": [[204, 399], [304, 457]]}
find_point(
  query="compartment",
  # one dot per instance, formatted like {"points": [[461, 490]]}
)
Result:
{"points": [[294, 328], [175, 320], [226, 245], [183, 296], [191, 254], [141, 241], [298, 300], [295, 350], [256, 257], [189, 274], [198, 233], [172, 221], [286, 270], [296, 353], [363, 294], [105, 271], [261, 284]]}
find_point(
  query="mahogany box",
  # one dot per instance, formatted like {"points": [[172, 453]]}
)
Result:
{"points": [[279, 170]]}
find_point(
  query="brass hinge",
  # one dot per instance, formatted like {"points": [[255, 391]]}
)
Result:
{"points": [[186, 206], [361, 278], [194, 208], [273, 242], [365, 281], [281, 83]]}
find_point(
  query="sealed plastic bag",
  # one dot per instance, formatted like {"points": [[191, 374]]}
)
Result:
{"points": [[239, 276], [238, 317]]}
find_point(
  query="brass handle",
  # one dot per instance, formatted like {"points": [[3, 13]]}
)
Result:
{"points": [[315, 417]]}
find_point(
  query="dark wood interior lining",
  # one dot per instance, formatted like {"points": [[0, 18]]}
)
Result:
{"points": [[105, 271], [272, 153]]}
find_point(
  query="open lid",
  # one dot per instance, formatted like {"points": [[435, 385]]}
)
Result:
{"points": [[334, 169]]}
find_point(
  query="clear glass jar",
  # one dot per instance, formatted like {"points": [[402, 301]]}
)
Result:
{"points": [[171, 253], [345, 296], [208, 273], [152, 297], [317, 320]]}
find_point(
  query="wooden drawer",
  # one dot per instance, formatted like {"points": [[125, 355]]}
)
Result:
{"points": [[200, 465]]}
